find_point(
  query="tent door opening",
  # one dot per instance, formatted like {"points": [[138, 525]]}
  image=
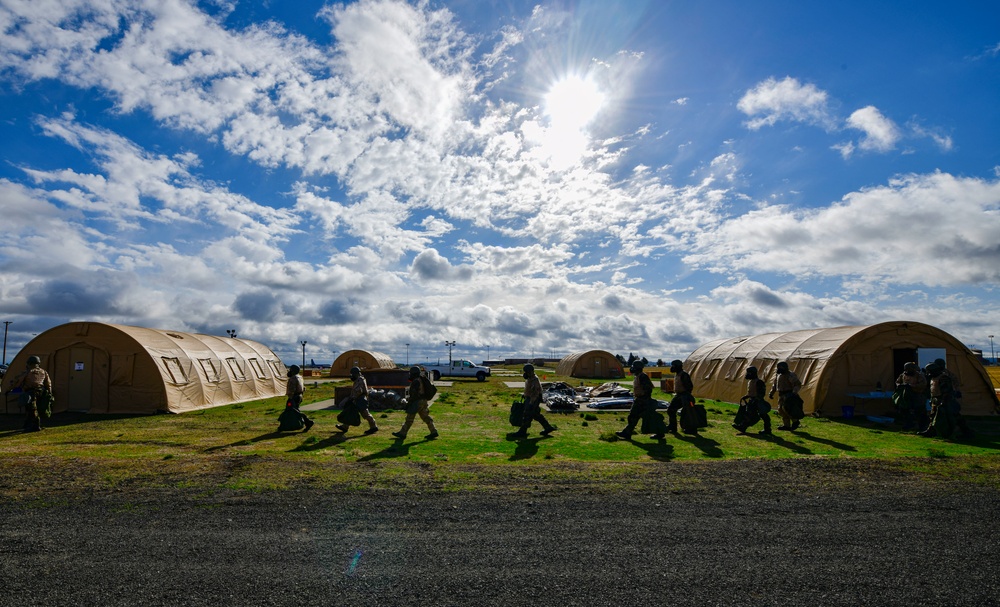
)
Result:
{"points": [[900, 357], [81, 379]]}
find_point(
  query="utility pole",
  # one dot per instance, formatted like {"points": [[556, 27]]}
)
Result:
{"points": [[303, 342], [6, 323], [993, 354], [449, 344]]}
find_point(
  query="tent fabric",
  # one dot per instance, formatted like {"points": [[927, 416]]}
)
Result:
{"points": [[591, 364], [107, 368], [362, 359], [837, 362]]}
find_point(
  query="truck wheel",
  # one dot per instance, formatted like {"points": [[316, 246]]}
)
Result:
{"points": [[437, 375], [481, 376]]}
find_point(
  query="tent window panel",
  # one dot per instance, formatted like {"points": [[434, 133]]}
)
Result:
{"points": [[859, 369], [257, 369], [236, 369], [122, 367], [278, 367], [733, 368], [713, 365], [211, 370], [176, 371], [803, 368]]}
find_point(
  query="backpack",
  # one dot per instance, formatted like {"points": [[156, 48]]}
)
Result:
{"points": [[429, 389]]}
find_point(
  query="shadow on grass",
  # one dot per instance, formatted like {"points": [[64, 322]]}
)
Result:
{"points": [[779, 440], [825, 441], [250, 441], [398, 448], [661, 450], [14, 423], [711, 448], [526, 448]]}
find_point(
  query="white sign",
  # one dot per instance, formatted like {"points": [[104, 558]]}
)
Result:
{"points": [[78, 367]]}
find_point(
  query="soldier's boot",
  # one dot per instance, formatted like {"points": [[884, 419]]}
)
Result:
{"points": [[433, 430], [626, 433]]}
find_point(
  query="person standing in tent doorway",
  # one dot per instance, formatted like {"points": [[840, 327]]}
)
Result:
{"points": [[643, 408], [292, 418], [36, 393], [417, 395], [753, 406], [359, 400], [911, 386], [683, 387], [786, 383], [532, 404]]}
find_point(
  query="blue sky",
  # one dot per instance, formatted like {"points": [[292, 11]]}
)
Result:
{"points": [[536, 178]]}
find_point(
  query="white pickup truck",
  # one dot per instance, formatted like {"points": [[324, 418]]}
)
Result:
{"points": [[457, 368]]}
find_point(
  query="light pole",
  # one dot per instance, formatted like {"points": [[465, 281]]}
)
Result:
{"points": [[993, 353], [303, 342], [6, 323], [232, 333], [450, 344], [487, 353], [407, 354]]}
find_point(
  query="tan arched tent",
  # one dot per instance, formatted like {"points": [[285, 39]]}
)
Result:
{"points": [[835, 363], [362, 359], [591, 364], [105, 368]]}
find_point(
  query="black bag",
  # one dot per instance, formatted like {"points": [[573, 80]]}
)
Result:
{"points": [[349, 416], [290, 419], [652, 422], [793, 406], [689, 418], [763, 407], [701, 416], [44, 401], [516, 413], [748, 414], [429, 388]]}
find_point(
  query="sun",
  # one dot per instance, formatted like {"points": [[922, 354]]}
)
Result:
{"points": [[570, 105], [573, 102]]}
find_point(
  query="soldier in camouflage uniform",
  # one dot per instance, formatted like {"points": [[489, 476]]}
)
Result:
{"points": [[914, 410], [35, 385], [785, 383], [359, 397], [532, 404], [416, 404], [642, 404]]}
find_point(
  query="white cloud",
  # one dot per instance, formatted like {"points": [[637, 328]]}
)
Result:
{"points": [[881, 134], [932, 230], [774, 100]]}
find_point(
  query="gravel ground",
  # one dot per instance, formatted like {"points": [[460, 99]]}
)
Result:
{"points": [[744, 533]]}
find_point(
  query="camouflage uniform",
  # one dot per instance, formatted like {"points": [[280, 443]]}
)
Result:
{"points": [[34, 384], [642, 404], [359, 398], [294, 389], [416, 400], [533, 406], [755, 406], [915, 411], [785, 384], [683, 386]]}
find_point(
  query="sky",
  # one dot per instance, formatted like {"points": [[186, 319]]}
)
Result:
{"points": [[520, 178]]}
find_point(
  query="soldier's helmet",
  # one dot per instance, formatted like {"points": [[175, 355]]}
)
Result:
{"points": [[751, 373], [636, 366], [293, 370], [414, 372], [676, 365], [528, 369], [34, 360], [910, 368], [932, 370], [782, 367], [940, 362], [355, 372]]}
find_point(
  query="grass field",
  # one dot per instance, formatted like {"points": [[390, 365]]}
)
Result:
{"points": [[994, 373], [237, 446]]}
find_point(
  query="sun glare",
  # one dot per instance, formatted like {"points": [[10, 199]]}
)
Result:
{"points": [[571, 104]]}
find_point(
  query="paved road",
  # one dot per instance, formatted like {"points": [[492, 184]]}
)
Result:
{"points": [[841, 534]]}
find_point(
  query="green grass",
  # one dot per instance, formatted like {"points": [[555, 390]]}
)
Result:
{"points": [[237, 447]]}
